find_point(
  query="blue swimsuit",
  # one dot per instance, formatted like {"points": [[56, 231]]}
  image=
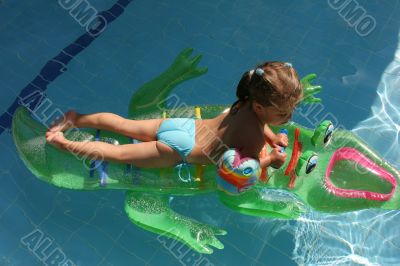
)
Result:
{"points": [[179, 134]]}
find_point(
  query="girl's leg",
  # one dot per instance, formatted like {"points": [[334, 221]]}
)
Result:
{"points": [[152, 154], [143, 130]]}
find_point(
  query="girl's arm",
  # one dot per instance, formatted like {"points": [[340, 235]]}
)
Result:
{"points": [[269, 135], [273, 139], [275, 158], [266, 161]]}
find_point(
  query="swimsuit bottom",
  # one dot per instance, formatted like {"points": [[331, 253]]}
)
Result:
{"points": [[179, 134]]}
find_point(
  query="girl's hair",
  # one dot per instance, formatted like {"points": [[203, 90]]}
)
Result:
{"points": [[271, 84]]}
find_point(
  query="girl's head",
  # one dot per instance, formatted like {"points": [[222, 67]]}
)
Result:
{"points": [[273, 89]]}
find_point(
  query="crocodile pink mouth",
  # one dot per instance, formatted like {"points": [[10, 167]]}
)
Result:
{"points": [[347, 153]]}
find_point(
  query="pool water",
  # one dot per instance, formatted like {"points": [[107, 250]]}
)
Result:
{"points": [[45, 46]]}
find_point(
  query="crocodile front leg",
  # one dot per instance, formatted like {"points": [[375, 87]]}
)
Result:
{"points": [[153, 213], [265, 202], [152, 95]]}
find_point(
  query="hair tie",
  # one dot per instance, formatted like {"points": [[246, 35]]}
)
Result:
{"points": [[260, 72], [287, 64]]}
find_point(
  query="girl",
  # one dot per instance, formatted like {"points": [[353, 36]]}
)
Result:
{"points": [[266, 95]]}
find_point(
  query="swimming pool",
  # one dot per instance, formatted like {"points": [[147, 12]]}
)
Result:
{"points": [[45, 46]]}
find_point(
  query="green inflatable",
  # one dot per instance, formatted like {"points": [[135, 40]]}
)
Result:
{"points": [[328, 170]]}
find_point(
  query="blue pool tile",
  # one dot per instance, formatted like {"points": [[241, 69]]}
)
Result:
{"points": [[366, 83], [111, 215], [81, 252], [22, 256], [138, 241], [123, 255], [100, 240], [275, 250]]}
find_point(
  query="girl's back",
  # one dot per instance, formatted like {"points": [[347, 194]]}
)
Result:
{"points": [[240, 130]]}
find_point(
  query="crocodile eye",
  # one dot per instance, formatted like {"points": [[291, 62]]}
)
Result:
{"points": [[311, 163], [307, 163], [322, 134], [328, 133]]}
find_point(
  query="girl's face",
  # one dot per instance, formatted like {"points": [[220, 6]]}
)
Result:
{"points": [[272, 115]]}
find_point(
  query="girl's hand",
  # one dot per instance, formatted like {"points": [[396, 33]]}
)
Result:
{"points": [[281, 140], [277, 158], [67, 121]]}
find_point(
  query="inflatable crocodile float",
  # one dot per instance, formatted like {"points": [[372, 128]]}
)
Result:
{"points": [[328, 170]]}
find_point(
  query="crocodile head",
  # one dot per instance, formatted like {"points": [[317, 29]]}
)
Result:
{"points": [[334, 170]]}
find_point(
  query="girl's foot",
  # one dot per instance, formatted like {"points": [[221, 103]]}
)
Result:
{"points": [[56, 139], [65, 122]]}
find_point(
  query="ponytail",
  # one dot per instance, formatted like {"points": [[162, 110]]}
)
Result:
{"points": [[242, 91]]}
